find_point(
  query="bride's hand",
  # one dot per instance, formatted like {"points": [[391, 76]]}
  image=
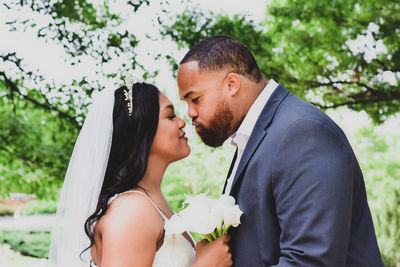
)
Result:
{"points": [[213, 254]]}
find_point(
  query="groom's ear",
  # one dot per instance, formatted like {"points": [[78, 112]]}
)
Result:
{"points": [[233, 83]]}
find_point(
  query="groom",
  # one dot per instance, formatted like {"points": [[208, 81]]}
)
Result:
{"points": [[294, 174]]}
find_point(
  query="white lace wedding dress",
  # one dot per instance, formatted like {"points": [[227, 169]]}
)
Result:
{"points": [[176, 251]]}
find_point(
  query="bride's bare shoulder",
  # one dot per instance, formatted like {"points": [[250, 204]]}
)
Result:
{"points": [[131, 212], [129, 231]]}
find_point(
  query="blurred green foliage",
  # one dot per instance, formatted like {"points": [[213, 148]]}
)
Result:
{"points": [[34, 244], [379, 157], [35, 147]]}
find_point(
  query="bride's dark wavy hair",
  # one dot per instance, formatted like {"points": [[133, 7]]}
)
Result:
{"points": [[130, 149]]}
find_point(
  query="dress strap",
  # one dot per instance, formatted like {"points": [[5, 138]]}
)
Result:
{"points": [[140, 192]]}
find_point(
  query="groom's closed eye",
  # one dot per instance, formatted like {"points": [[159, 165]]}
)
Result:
{"points": [[186, 96], [195, 100], [189, 96]]}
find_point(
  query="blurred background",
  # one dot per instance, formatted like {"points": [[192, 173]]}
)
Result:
{"points": [[342, 55]]}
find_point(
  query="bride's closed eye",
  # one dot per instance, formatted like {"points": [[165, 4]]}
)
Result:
{"points": [[171, 116]]}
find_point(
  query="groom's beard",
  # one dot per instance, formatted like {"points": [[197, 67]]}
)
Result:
{"points": [[218, 131]]}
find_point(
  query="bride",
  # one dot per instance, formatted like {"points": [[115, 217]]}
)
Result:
{"points": [[111, 209]]}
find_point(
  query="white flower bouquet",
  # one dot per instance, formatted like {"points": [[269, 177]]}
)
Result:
{"points": [[209, 217]]}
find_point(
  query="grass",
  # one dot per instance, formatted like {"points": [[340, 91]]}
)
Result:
{"points": [[35, 244]]}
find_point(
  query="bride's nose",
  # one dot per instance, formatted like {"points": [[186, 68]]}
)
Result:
{"points": [[181, 123]]}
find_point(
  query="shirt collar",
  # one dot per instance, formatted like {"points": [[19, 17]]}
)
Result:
{"points": [[249, 121]]}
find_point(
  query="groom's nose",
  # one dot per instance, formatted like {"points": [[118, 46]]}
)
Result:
{"points": [[192, 113]]}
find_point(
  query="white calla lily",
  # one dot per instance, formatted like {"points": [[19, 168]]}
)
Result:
{"points": [[209, 217]]}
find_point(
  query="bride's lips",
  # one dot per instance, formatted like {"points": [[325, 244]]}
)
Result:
{"points": [[183, 136]]}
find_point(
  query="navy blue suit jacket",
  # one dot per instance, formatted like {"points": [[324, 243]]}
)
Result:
{"points": [[302, 193]]}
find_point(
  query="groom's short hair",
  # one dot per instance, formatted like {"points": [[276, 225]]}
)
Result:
{"points": [[224, 52]]}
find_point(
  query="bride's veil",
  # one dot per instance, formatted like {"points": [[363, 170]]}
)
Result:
{"points": [[82, 184]]}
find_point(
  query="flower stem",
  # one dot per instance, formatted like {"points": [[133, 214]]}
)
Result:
{"points": [[208, 237], [213, 235], [225, 230]]}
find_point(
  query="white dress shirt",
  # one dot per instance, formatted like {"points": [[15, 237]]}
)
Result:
{"points": [[242, 135]]}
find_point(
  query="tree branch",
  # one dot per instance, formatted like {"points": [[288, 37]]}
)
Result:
{"points": [[393, 96], [384, 66], [13, 87], [314, 84], [370, 96]]}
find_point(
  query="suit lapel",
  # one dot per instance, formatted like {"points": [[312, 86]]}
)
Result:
{"points": [[230, 169], [260, 130]]}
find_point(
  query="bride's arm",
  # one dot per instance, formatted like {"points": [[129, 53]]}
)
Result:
{"points": [[130, 231]]}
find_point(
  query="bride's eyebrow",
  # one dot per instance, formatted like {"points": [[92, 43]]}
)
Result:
{"points": [[171, 107]]}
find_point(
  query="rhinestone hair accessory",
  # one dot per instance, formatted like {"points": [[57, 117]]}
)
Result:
{"points": [[129, 81]]}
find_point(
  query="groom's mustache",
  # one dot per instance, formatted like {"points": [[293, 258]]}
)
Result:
{"points": [[194, 123]]}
